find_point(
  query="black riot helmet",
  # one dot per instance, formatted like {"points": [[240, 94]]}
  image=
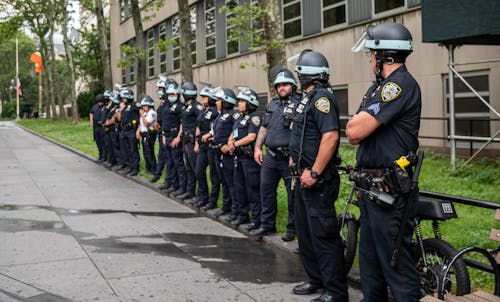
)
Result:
{"points": [[228, 98], [391, 42], [285, 76], [312, 66], [99, 98], [189, 91]]}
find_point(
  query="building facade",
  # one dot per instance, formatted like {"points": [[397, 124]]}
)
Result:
{"points": [[330, 27]]}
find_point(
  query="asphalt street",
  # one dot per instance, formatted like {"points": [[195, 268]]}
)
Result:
{"points": [[71, 230]]}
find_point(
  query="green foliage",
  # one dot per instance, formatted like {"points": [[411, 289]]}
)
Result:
{"points": [[245, 23], [9, 110], [87, 56], [130, 55], [87, 99], [10, 26]]}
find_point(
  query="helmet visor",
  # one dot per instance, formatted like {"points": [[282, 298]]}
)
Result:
{"points": [[360, 44]]}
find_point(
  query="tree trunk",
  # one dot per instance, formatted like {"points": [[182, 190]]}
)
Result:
{"points": [[185, 41], [54, 78], [71, 70], [273, 32], [49, 91], [139, 48], [104, 45]]}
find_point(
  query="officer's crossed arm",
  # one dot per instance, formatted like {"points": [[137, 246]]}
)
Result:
{"points": [[327, 147], [360, 126]]}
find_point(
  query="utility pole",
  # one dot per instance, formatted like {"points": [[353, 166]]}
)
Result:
{"points": [[17, 79]]}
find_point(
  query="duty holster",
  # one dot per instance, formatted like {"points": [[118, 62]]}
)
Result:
{"points": [[187, 137]]}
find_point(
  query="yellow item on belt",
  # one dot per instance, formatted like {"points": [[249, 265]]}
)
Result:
{"points": [[134, 122], [403, 162]]}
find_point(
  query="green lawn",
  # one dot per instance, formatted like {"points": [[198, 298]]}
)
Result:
{"points": [[479, 180]]}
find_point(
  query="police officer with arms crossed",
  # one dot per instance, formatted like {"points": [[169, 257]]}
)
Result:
{"points": [[275, 132], [160, 164], [313, 149], [114, 131], [129, 118], [222, 129], [146, 132], [385, 128], [95, 121], [206, 155], [171, 130], [110, 156], [246, 171], [188, 127]]}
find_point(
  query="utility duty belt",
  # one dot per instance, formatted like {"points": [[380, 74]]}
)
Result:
{"points": [[216, 148], [171, 132], [279, 152], [129, 126], [187, 137], [246, 150]]}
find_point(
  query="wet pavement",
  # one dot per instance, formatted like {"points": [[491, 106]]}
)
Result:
{"points": [[72, 230]]}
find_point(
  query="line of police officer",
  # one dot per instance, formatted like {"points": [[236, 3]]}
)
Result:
{"points": [[301, 134]]}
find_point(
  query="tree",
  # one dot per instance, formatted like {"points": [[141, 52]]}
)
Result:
{"points": [[139, 48], [71, 68], [185, 41], [247, 27]]}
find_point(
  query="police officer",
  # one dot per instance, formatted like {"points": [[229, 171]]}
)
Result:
{"points": [[386, 127], [206, 155], [275, 132], [192, 109], [246, 171], [222, 129], [110, 156], [114, 131], [129, 118], [160, 165], [175, 178], [146, 132], [96, 123], [313, 147]]}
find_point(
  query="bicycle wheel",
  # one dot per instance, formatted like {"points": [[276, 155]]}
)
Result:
{"points": [[437, 253], [349, 234]]}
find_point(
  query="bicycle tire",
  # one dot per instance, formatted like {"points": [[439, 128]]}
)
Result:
{"points": [[349, 234], [438, 252]]}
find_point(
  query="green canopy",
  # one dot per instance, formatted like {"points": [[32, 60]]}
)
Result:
{"points": [[461, 22]]}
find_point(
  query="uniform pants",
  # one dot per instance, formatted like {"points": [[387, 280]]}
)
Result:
{"points": [[115, 144], [247, 183], [379, 228], [318, 232], [176, 171], [206, 157], [130, 149], [273, 169], [148, 150], [190, 159], [99, 141], [108, 145], [227, 171], [161, 163]]}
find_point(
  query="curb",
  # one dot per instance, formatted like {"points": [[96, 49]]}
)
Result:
{"points": [[273, 240]]}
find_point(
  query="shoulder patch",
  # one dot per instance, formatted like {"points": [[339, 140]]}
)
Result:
{"points": [[322, 104], [256, 120], [199, 107], [236, 115], [390, 91]]}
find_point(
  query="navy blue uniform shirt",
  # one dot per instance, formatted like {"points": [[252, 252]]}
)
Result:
{"points": [[189, 116], [205, 119], [223, 126], [159, 117], [96, 111], [245, 124], [130, 114], [277, 121], [172, 115], [321, 113], [397, 104]]}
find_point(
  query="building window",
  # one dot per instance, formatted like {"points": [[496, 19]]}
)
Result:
{"points": [[151, 53], [472, 116], [125, 12], [333, 12], [292, 18], [385, 5], [176, 48], [193, 35], [128, 72], [162, 51], [232, 46], [257, 23], [340, 94], [210, 29]]}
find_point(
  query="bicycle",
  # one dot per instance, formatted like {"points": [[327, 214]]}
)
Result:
{"points": [[430, 253]]}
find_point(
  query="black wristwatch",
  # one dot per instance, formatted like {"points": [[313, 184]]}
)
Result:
{"points": [[314, 174]]}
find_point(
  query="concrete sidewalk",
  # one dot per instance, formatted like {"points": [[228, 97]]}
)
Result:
{"points": [[72, 230]]}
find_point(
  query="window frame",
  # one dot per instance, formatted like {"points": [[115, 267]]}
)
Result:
{"points": [[228, 28], [332, 6], [151, 47], [175, 20], [388, 12], [212, 34], [162, 64], [283, 7]]}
